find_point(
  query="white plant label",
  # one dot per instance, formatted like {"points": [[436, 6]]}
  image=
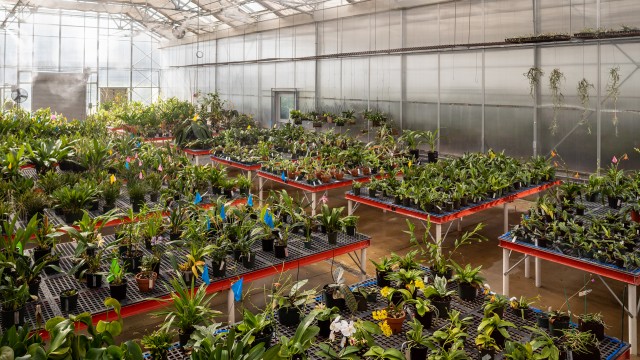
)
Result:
{"points": [[486, 357], [286, 252], [221, 265]]}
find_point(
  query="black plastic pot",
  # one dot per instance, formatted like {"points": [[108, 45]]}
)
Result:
{"points": [[396, 298], [592, 354], [39, 254], [362, 301], [415, 153], [332, 237], [418, 353], [71, 217], [426, 320], [132, 263], [249, 260], [94, 281], [372, 193], [542, 320], [264, 337], [329, 301], [11, 318], [218, 268], [69, 303], [154, 197], [443, 306], [237, 254], [34, 286], [118, 292], [351, 230], [289, 316], [280, 251], [526, 313], [381, 279], [184, 336], [558, 324], [325, 329], [614, 202], [432, 156], [356, 191], [467, 292], [187, 276], [595, 328]]}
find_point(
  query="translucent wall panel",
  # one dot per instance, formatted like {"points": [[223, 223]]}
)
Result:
{"points": [[421, 27], [421, 77], [507, 18], [420, 116], [576, 146], [385, 78], [387, 30], [355, 79], [461, 22], [305, 37], [505, 82], [355, 34], [461, 77], [510, 129], [460, 128]]}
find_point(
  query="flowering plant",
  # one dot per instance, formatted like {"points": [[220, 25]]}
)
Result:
{"points": [[357, 333], [522, 303], [324, 313], [395, 307], [495, 303]]}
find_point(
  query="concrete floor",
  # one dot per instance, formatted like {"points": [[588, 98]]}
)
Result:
{"points": [[386, 231]]}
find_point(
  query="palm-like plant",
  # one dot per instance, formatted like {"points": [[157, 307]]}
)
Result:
{"points": [[191, 307], [44, 154]]}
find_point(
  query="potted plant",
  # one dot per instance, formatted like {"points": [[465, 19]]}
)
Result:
{"points": [[521, 307], [136, 189], [282, 239], [117, 280], [244, 184], [289, 303], [15, 297], [469, 281], [158, 343], [146, 279], [432, 138], [259, 325], [110, 191], [191, 307], [338, 294], [582, 345], [296, 116], [349, 224], [417, 341], [423, 311], [413, 139], [44, 239], [154, 185], [325, 315], [383, 268], [69, 300], [330, 219], [495, 303], [393, 315], [356, 186], [496, 328], [73, 200], [88, 265], [592, 322], [297, 346], [439, 295]]}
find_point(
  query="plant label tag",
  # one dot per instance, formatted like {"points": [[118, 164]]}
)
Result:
{"points": [[286, 252], [515, 238], [249, 257], [280, 235], [569, 355], [619, 202], [221, 265], [494, 195], [585, 292], [527, 338], [93, 280], [66, 306], [150, 284], [486, 357]]}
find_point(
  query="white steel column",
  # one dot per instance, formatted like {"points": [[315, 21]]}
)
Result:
{"points": [[505, 212], [231, 307], [505, 272], [633, 321]]}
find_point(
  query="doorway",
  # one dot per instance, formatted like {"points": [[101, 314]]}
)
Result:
{"points": [[283, 102]]}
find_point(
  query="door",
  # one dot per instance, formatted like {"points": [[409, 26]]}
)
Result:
{"points": [[284, 102]]}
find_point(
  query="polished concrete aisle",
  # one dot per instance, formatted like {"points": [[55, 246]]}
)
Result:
{"points": [[386, 231]]}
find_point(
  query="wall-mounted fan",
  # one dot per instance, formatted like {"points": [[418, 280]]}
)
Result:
{"points": [[19, 95], [179, 31]]}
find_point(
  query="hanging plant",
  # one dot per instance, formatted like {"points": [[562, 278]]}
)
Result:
{"points": [[533, 75], [583, 93], [613, 91], [555, 82]]}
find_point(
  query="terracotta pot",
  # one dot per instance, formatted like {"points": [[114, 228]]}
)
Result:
{"points": [[635, 216], [146, 281], [339, 176], [396, 323]]}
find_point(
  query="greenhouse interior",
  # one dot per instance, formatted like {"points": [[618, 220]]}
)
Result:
{"points": [[319, 179]]}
